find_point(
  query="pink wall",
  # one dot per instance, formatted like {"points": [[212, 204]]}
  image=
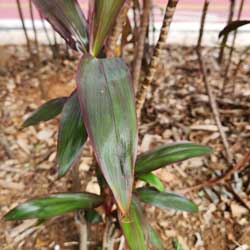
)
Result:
{"points": [[187, 9]]}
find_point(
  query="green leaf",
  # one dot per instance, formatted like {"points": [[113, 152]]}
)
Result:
{"points": [[152, 180], [46, 112], [168, 154], [93, 217], [177, 245], [72, 134], [234, 25], [107, 103], [67, 19], [155, 240], [103, 14], [53, 205], [134, 227], [166, 200]]}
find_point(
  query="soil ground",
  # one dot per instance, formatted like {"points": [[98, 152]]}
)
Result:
{"points": [[177, 109]]}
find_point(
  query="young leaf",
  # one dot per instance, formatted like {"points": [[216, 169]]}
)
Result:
{"points": [[168, 154], [177, 245], [72, 134], [134, 227], [67, 19], [53, 205], [102, 15], [107, 103], [155, 240], [152, 180], [233, 26], [166, 200], [46, 112]]}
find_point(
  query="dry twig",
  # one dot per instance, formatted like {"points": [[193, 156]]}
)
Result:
{"points": [[209, 90], [226, 176], [143, 88]]}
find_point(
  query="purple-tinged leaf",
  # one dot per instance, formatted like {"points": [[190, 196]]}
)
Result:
{"points": [[67, 19], [53, 205], [135, 227], [72, 134], [46, 111], [107, 103], [102, 15], [233, 26]]}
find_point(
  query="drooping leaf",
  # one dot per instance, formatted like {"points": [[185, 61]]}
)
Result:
{"points": [[67, 19], [53, 205], [234, 25], [107, 103], [166, 200], [135, 227], [72, 134], [152, 180], [46, 112], [155, 240], [168, 154], [102, 15], [92, 217]]}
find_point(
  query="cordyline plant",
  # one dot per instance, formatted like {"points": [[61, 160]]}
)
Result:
{"points": [[102, 108]]}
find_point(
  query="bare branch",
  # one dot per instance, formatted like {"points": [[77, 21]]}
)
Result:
{"points": [[143, 88]]}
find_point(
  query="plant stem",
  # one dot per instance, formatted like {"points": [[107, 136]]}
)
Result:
{"points": [[79, 216], [144, 86], [117, 31], [141, 42], [108, 237], [34, 28], [202, 24], [83, 231], [47, 35], [212, 101], [224, 40], [24, 27], [226, 79]]}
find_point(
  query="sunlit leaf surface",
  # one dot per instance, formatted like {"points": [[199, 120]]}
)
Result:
{"points": [[53, 205]]}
